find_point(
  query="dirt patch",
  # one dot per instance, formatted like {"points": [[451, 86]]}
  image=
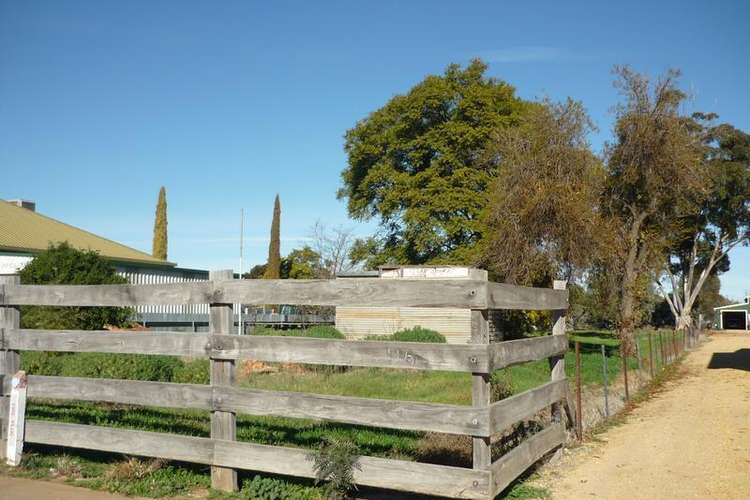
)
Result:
{"points": [[15, 488], [692, 440]]}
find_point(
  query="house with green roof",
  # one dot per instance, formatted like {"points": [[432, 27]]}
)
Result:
{"points": [[733, 316], [24, 232]]}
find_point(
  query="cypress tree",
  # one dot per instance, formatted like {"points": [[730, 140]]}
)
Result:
{"points": [[159, 248], [273, 267]]}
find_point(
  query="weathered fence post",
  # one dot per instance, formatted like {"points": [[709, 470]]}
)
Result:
{"points": [[223, 423], [605, 374], [10, 319], [480, 388], [16, 419], [557, 363], [579, 406]]}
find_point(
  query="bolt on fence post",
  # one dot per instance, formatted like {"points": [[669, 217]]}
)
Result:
{"points": [[606, 381], [10, 319], [579, 408]]}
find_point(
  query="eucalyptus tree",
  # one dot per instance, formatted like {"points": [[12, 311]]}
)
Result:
{"points": [[655, 178], [720, 221]]}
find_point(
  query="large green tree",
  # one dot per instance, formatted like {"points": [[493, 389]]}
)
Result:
{"points": [[415, 165], [64, 265], [720, 221], [273, 265], [159, 248]]}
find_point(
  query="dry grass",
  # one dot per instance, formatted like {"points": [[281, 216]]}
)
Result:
{"points": [[133, 469]]}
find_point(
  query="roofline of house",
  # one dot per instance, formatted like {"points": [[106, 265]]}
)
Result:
{"points": [[740, 304], [33, 251]]}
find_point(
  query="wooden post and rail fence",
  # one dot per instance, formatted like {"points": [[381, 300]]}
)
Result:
{"points": [[222, 452]]}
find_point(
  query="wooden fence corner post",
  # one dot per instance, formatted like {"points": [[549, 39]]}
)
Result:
{"points": [[481, 392], [557, 363], [223, 423], [16, 419], [10, 319]]}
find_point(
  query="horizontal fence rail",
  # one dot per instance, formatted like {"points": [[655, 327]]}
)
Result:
{"points": [[469, 294], [456, 482], [511, 465], [223, 453], [393, 414], [422, 356], [514, 352]]}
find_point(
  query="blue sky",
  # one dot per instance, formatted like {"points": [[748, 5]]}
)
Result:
{"points": [[227, 103]]}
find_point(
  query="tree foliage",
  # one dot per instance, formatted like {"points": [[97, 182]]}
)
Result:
{"points": [[543, 220], [414, 164], [273, 265], [654, 178], [64, 265], [720, 219], [159, 246]]}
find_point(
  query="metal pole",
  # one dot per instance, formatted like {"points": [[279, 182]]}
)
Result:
{"points": [[650, 356], [579, 410], [624, 353], [605, 374]]}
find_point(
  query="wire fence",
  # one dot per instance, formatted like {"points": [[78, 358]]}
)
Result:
{"points": [[605, 382]]}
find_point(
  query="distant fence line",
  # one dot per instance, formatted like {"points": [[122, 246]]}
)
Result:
{"points": [[483, 420]]}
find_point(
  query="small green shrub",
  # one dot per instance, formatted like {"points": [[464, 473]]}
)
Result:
{"points": [[334, 463], [416, 334], [270, 488], [324, 332], [419, 334], [192, 372]]}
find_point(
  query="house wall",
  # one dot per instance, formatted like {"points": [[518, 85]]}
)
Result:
{"points": [[11, 264], [454, 324]]}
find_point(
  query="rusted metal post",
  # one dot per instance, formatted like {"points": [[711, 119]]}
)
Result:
{"points": [[624, 354], [663, 352], [605, 374], [650, 355], [579, 409]]}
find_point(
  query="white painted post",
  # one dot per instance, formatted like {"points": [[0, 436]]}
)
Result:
{"points": [[16, 419], [10, 319]]}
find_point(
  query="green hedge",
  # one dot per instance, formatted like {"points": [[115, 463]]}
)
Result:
{"points": [[416, 334], [119, 366]]}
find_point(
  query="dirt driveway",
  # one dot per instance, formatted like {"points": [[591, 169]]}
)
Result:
{"points": [[690, 441]]}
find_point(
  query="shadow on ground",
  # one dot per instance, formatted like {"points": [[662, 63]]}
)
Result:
{"points": [[738, 360]]}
